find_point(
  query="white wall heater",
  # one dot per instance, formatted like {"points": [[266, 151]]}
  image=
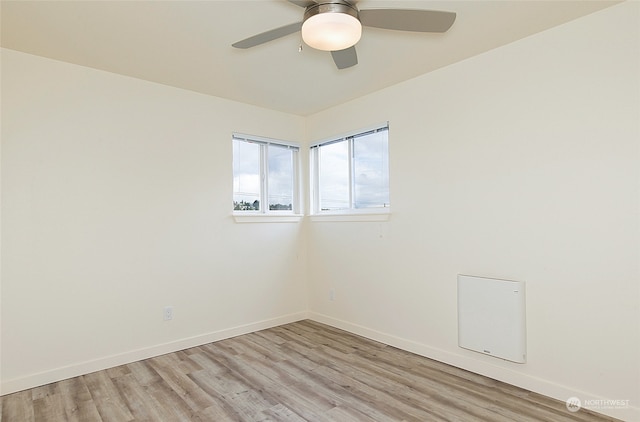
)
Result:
{"points": [[491, 317]]}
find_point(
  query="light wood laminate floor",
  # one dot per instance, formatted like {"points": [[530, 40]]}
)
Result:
{"points": [[304, 371]]}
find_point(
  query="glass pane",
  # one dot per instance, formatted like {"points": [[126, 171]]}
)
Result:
{"points": [[371, 170], [333, 160], [280, 183], [246, 176]]}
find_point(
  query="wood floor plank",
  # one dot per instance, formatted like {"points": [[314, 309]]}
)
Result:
{"points": [[463, 391], [337, 394], [44, 391], [174, 372], [278, 385], [138, 401], [77, 401], [347, 414], [49, 408], [442, 400], [118, 371], [206, 363], [17, 407], [109, 402], [172, 405], [236, 389], [144, 373], [222, 408], [282, 413], [304, 371], [214, 413], [406, 404]]}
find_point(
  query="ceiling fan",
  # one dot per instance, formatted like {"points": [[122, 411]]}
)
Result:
{"points": [[336, 26]]}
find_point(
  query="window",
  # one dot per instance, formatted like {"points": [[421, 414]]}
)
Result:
{"points": [[351, 174], [264, 172]]}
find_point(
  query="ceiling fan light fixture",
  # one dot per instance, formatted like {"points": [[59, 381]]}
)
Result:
{"points": [[331, 26]]}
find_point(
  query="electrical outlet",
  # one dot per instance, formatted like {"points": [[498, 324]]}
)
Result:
{"points": [[332, 294], [168, 313]]}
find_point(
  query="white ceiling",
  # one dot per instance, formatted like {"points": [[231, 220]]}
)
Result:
{"points": [[187, 44]]}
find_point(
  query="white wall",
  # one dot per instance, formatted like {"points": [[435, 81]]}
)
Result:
{"points": [[116, 202], [522, 163]]}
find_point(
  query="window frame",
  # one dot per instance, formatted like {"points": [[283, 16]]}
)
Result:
{"points": [[264, 211], [351, 213]]}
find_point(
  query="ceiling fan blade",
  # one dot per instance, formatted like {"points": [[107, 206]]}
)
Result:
{"points": [[408, 20], [302, 3], [268, 36], [345, 58]]}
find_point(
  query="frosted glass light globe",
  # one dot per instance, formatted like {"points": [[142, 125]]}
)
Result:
{"points": [[331, 31]]}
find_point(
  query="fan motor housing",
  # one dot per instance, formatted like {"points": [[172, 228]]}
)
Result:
{"points": [[331, 7]]}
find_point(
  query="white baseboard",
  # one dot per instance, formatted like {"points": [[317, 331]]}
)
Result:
{"points": [[519, 379], [58, 374]]}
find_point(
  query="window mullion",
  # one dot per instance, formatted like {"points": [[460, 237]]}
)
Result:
{"points": [[264, 170], [315, 185], [352, 188], [295, 161]]}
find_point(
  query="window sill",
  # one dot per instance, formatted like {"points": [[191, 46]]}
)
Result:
{"points": [[380, 216], [271, 218]]}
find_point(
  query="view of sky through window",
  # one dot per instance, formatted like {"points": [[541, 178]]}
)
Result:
{"points": [[263, 172], [371, 170], [353, 172], [246, 173], [334, 176], [281, 182]]}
